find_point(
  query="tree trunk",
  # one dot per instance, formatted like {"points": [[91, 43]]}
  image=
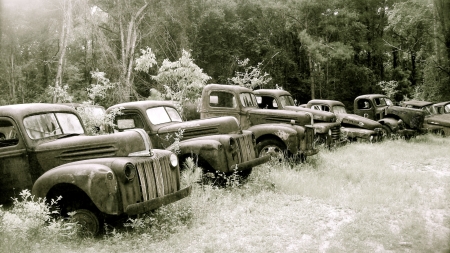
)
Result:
{"points": [[311, 74], [443, 9], [64, 37], [128, 40]]}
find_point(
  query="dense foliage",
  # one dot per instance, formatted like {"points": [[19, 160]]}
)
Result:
{"points": [[334, 49]]}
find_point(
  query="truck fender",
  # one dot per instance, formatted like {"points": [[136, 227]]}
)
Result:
{"points": [[285, 133], [97, 181], [209, 151], [392, 123]]}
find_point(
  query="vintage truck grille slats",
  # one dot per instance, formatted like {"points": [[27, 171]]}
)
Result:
{"points": [[309, 136], [246, 150], [88, 153], [156, 178], [336, 132], [191, 133]]}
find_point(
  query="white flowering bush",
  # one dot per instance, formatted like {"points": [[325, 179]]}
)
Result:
{"points": [[33, 217]]}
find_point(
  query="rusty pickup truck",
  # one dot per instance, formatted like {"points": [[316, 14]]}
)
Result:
{"points": [[218, 145], [326, 128], [276, 131], [103, 177], [402, 121], [354, 127], [434, 122]]}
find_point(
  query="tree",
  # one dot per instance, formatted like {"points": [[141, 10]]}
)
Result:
{"points": [[183, 80]]}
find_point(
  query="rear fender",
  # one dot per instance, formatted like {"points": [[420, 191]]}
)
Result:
{"points": [[96, 180]]}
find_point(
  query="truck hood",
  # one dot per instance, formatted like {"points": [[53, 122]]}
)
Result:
{"points": [[439, 119], [263, 116], [202, 127], [357, 121], [319, 116], [61, 151], [414, 118]]}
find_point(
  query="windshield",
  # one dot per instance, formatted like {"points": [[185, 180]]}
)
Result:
{"points": [[162, 114], [339, 109], [429, 110], [248, 99], [383, 101], [52, 124], [286, 100]]}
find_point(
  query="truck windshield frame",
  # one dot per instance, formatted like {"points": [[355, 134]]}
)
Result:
{"points": [[248, 99], [45, 125], [163, 114]]}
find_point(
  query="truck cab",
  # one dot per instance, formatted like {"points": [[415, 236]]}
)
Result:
{"points": [[45, 150], [406, 122], [276, 131], [326, 128]]}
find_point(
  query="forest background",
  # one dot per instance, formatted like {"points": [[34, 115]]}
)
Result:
{"points": [[333, 49]]}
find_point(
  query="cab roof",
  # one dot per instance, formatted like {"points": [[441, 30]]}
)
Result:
{"points": [[325, 102], [417, 103], [23, 110], [271, 92], [143, 105]]}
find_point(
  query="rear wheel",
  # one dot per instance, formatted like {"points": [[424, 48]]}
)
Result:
{"points": [[87, 221]]}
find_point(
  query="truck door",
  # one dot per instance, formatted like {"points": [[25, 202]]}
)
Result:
{"points": [[364, 107], [221, 103], [14, 166]]}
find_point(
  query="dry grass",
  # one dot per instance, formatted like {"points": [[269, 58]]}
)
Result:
{"points": [[384, 197]]}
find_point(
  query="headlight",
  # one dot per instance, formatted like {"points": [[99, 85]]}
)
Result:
{"points": [[129, 171], [173, 160], [232, 143]]}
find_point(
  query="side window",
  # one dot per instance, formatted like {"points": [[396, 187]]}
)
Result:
{"points": [[325, 108], [8, 133], [316, 107], [222, 99], [267, 103], [364, 104], [128, 121]]}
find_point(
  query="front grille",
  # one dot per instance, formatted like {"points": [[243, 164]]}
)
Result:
{"points": [[309, 137], [336, 132], [246, 148], [157, 178]]}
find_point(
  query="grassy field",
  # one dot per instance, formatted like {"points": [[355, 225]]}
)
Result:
{"points": [[384, 197]]}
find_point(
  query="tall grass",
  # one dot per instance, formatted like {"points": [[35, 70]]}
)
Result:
{"points": [[388, 196]]}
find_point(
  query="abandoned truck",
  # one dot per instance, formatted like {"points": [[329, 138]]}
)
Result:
{"points": [[218, 145], [434, 122], [326, 129], [354, 127], [101, 177], [405, 122], [276, 131]]}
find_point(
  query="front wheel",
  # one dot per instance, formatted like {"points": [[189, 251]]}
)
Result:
{"points": [[385, 132], [270, 147], [87, 221]]}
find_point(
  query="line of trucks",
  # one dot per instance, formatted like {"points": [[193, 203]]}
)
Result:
{"points": [[136, 168]]}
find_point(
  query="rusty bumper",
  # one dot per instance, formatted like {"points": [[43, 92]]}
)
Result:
{"points": [[250, 164], [146, 206]]}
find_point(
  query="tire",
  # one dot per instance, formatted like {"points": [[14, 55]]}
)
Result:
{"points": [[270, 147], [385, 132], [87, 221]]}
